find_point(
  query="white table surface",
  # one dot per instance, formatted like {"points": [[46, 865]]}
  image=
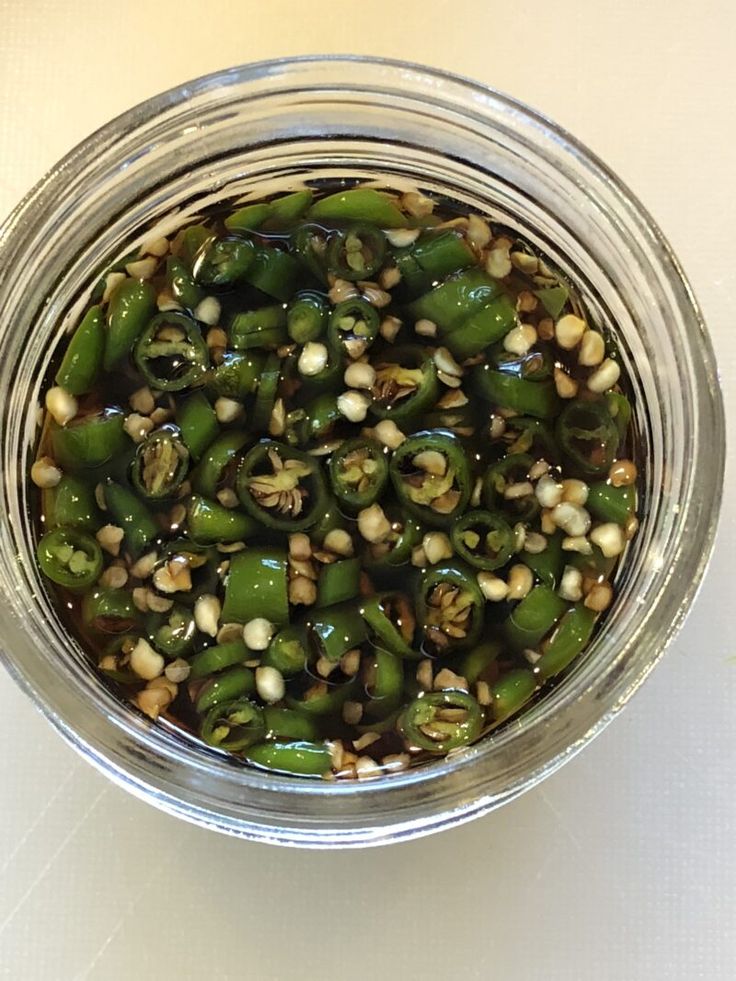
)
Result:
{"points": [[620, 867]]}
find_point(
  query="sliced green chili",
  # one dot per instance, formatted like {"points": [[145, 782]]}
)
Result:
{"points": [[82, 362], [264, 327], [237, 375], [338, 581], [223, 263], [547, 565], [571, 636], [89, 441], [197, 423], [173, 635], [256, 586], [72, 503], [358, 473], [553, 299], [160, 466], [533, 618], [384, 680], [335, 630], [281, 486], [218, 463], [358, 204], [209, 523], [431, 476], [588, 435], [181, 284], [511, 471], [439, 721], [302, 757], [273, 272], [356, 252], [268, 385], [609, 503], [171, 353], [353, 326], [391, 622], [511, 692], [284, 723], [131, 515], [529, 398], [70, 557], [218, 658], [450, 607], [111, 611], [287, 651], [131, 306], [306, 317], [483, 539], [406, 384], [233, 725]]}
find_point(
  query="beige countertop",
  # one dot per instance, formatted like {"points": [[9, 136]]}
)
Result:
{"points": [[620, 867]]}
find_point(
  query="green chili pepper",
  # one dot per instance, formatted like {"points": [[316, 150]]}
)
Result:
{"points": [[406, 384], [131, 515], [309, 245], [480, 663], [224, 687], [553, 299], [385, 676], [450, 626], [82, 361], [214, 659], [533, 618], [534, 437], [131, 306], [338, 581], [237, 375], [233, 725], [331, 518], [481, 328], [256, 587], [353, 326], [483, 539], [223, 263], [69, 557], [335, 630], [181, 284], [306, 317], [391, 622], [439, 721], [572, 634], [248, 218], [434, 256], [453, 301], [321, 704], [89, 441], [356, 252], [431, 476], [265, 327], [110, 611], [209, 523], [300, 756], [160, 466], [320, 418], [218, 463], [358, 473], [283, 723], [358, 204], [71, 503], [171, 353], [192, 241], [530, 398], [273, 272], [287, 651], [587, 435], [609, 503], [511, 692], [620, 409], [395, 551], [548, 565], [281, 487], [198, 423], [536, 365], [289, 208], [268, 386], [512, 469], [174, 636]]}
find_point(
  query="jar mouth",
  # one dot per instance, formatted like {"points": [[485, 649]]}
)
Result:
{"points": [[277, 121]]}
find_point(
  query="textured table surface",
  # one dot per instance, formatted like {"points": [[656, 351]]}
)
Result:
{"points": [[620, 867]]}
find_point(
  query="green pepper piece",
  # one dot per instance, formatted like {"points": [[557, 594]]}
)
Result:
{"points": [[289, 208], [434, 256], [171, 353], [223, 263], [483, 539], [198, 423], [609, 503], [309, 246], [535, 365], [335, 630], [131, 306], [71, 503], [318, 421], [89, 441], [391, 622], [299, 756], [512, 469], [406, 384], [181, 284], [431, 476], [237, 375], [512, 692], [449, 627], [174, 636], [524, 434], [281, 487], [192, 241], [358, 204], [287, 651], [479, 664], [283, 723], [438, 721], [588, 436], [332, 517], [405, 535], [69, 557], [481, 328], [223, 687], [233, 725], [306, 317], [571, 636], [273, 272], [160, 466], [533, 618], [214, 469], [82, 361], [217, 658], [358, 473], [620, 409], [132, 516], [338, 581], [265, 327], [385, 676], [248, 218], [529, 398], [268, 386], [548, 565], [110, 611], [209, 523], [356, 252], [553, 299], [256, 587], [454, 300], [327, 703], [353, 326]]}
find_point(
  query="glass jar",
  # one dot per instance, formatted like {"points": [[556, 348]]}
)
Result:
{"points": [[267, 126]]}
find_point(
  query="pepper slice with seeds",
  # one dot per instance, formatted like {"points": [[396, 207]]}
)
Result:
{"points": [[431, 476], [449, 608], [281, 486], [161, 464], [358, 473]]}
